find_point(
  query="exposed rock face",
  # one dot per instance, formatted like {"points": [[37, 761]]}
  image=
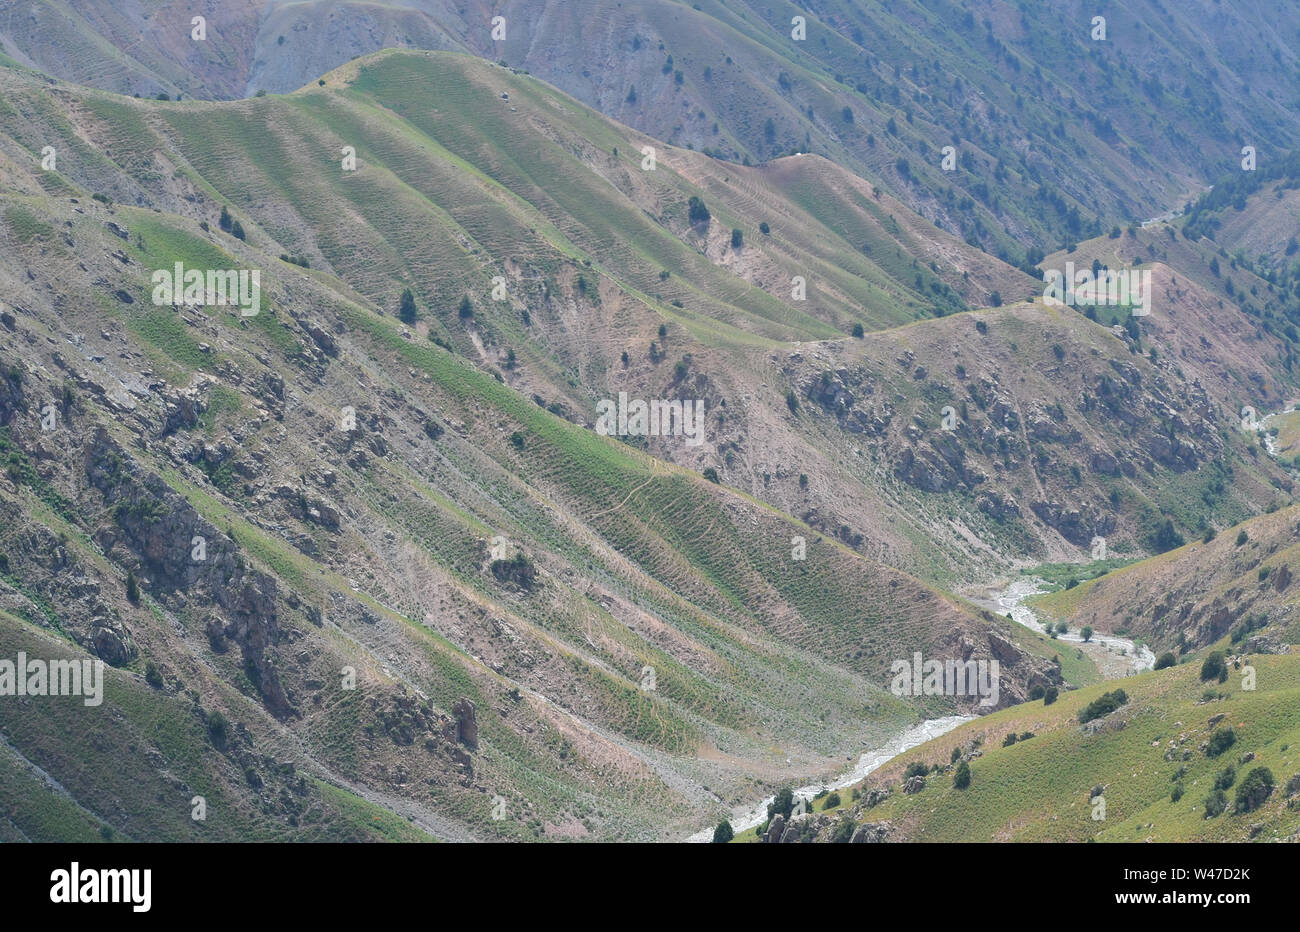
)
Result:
{"points": [[926, 470], [1017, 672], [800, 828], [1044, 429], [814, 827], [1265, 644], [466, 722], [1282, 577], [1104, 463], [872, 833], [1107, 723], [996, 505], [323, 339], [181, 409], [775, 830], [182, 558], [1077, 525], [42, 563], [873, 798], [840, 392], [307, 506]]}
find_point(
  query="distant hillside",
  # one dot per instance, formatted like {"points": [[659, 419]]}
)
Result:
{"points": [[1239, 585], [1057, 132]]}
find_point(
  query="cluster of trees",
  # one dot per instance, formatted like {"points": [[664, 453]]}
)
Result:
{"points": [[230, 225], [408, 314], [1252, 792], [1103, 705]]}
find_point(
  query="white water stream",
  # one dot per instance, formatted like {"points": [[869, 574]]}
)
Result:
{"points": [[1010, 601], [746, 817], [1125, 656]]}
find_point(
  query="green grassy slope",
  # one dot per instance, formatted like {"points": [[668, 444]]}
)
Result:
{"points": [[382, 549], [1041, 788], [1058, 133]]}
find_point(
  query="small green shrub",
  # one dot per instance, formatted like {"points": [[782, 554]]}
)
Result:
{"points": [[1214, 667], [1220, 741], [961, 778], [1254, 790]]}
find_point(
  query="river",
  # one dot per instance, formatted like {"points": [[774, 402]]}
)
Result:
{"points": [[1115, 657], [746, 817]]}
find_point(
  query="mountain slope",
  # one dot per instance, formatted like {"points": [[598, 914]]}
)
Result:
{"points": [[365, 561], [1237, 585], [612, 288], [1057, 132], [1142, 772], [427, 583]]}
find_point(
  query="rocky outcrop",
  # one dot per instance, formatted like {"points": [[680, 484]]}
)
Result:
{"points": [[466, 722], [307, 506], [1077, 525], [926, 470], [181, 409], [1045, 430], [998, 506], [181, 557], [323, 339], [1103, 463], [800, 829], [41, 563], [872, 833]]}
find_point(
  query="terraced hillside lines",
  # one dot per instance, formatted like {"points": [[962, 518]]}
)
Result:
{"points": [[366, 547], [420, 501], [470, 121], [1058, 136], [567, 620], [654, 472], [611, 288], [674, 527], [552, 342]]}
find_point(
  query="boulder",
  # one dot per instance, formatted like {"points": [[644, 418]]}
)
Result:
{"points": [[872, 833], [466, 722]]}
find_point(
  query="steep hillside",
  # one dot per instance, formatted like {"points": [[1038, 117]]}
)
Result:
{"points": [[1146, 771], [1060, 126], [362, 559], [1237, 585], [338, 560], [610, 287]]}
